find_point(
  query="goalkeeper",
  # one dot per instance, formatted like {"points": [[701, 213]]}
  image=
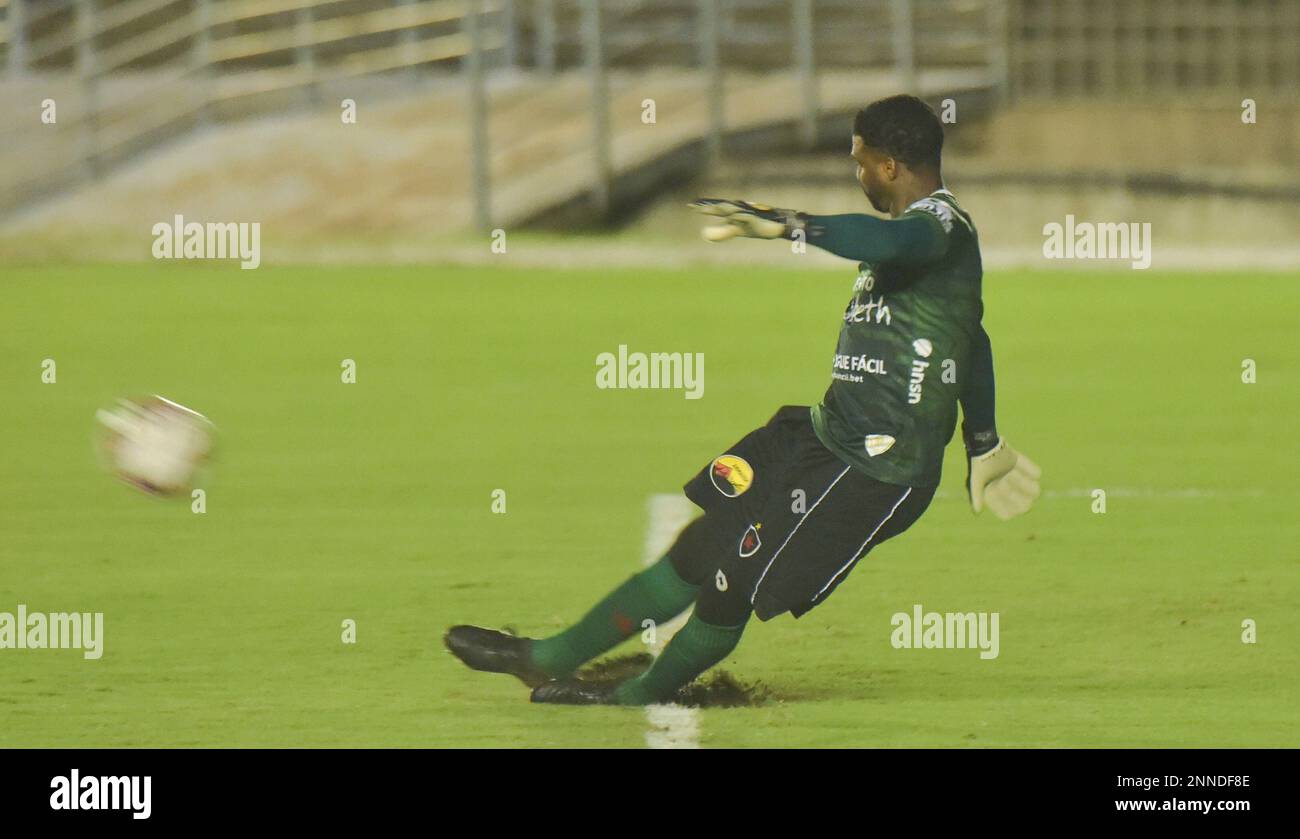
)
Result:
{"points": [[794, 505]]}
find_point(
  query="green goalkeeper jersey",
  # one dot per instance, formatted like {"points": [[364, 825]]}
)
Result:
{"points": [[907, 339]]}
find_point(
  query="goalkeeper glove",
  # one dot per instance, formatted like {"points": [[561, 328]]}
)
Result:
{"points": [[1002, 479], [741, 218]]}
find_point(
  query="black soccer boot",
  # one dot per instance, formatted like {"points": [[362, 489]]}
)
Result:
{"points": [[494, 652], [575, 692]]}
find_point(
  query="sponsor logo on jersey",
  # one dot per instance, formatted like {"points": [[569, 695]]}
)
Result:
{"points": [[878, 444], [750, 542], [916, 381], [874, 310], [860, 364], [731, 475], [939, 209]]}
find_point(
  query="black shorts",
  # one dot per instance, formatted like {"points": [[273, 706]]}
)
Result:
{"points": [[796, 516]]}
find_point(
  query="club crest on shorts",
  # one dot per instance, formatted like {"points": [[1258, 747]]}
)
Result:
{"points": [[750, 542], [878, 444], [731, 475]]}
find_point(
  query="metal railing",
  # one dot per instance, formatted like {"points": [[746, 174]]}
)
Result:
{"points": [[1154, 48], [136, 73], [131, 74], [799, 38]]}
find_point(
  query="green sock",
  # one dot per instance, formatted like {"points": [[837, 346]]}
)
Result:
{"points": [[696, 647], [657, 593]]}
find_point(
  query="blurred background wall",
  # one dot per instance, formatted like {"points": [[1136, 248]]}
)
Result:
{"points": [[600, 115]]}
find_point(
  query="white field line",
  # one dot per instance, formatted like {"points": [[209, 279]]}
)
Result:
{"points": [[690, 253], [1129, 492], [671, 726]]}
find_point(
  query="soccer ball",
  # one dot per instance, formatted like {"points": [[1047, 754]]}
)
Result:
{"points": [[155, 444]]}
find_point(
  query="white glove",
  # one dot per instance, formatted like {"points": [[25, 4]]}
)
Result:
{"points": [[1004, 480], [741, 218]]}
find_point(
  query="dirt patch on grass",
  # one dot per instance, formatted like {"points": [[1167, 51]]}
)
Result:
{"points": [[715, 689]]}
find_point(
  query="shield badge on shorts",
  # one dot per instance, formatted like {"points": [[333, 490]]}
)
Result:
{"points": [[878, 444], [750, 542]]}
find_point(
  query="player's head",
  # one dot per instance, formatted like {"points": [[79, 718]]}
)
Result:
{"points": [[895, 140]]}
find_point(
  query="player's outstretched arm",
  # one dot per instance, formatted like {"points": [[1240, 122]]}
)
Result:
{"points": [[912, 239], [999, 477], [909, 240]]}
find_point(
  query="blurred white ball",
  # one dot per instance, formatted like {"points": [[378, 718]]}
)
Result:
{"points": [[155, 444]]}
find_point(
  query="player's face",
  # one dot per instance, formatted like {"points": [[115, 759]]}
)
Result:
{"points": [[875, 171]]}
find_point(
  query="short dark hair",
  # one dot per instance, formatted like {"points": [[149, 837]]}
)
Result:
{"points": [[903, 127]]}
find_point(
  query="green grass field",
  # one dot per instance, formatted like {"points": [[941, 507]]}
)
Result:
{"points": [[372, 501]]}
